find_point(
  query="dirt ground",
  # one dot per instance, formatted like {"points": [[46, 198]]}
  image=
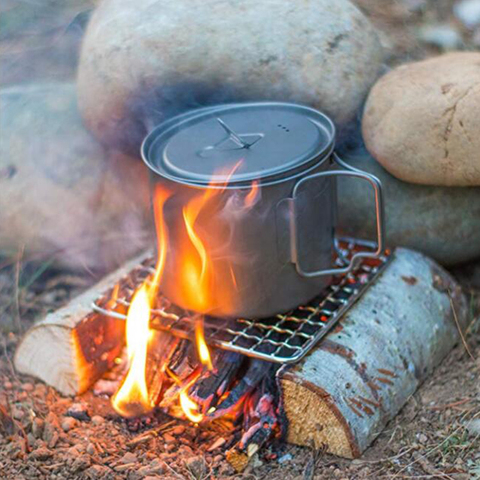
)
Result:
{"points": [[436, 435]]}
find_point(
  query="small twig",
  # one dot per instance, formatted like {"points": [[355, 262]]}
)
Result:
{"points": [[437, 475], [451, 405], [150, 434], [174, 472], [17, 288], [458, 327], [388, 459], [9, 361]]}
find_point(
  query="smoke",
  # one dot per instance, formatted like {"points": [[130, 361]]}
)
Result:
{"points": [[41, 40]]}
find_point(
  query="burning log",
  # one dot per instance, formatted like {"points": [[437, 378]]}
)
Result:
{"points": [[262, 421], [213, 384], [343, 394], [339, 397], [257, 370], [73, 346]]}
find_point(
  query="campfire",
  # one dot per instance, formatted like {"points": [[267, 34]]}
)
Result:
{"points": [[253, 313]]}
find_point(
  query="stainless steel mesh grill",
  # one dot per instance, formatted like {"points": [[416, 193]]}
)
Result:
{"points": [[283, 338]]}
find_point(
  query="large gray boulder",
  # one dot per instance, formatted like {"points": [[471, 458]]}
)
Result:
{"points": [[143, 61], [61, 193], [421, 121], [442, 222]]}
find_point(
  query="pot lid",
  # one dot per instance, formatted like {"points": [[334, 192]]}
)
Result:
{"points": [[239, 143]]}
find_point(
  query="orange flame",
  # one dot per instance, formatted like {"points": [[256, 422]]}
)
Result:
{"points": [[190, 408], [132, 399], [202, 347], [252, 195], [196, 276], [200, 276]]}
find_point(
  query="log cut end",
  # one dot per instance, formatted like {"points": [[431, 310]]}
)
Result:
{"points": [[72, 347], [47, 353], [70, 359], [314, 420]]}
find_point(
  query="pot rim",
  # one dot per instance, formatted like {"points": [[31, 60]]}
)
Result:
{"points": [[174, 124]]}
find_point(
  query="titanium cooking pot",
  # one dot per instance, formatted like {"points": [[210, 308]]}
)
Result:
{"points": [[254, 182]]}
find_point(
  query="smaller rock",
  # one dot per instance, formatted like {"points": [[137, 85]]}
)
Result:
{"points": [[53, 440], [28, 387], [97, 471], [105, 387], [143, 472], [129, 457], [218, 458], [422, 438], [31, 440], [37, 427], [73, 451], [124, 467], [79, 412], [468, 12], [185, 450], [68, 423], [41, 454], [216, 444], [155, 467], [169, 439], [91, 450], [443, 36], [158, 466], [40, 390], [473, 427], [180, 430], [17, 413], [285, 458], [196, 466], [98, 420], [8, 385], [81, 463]]}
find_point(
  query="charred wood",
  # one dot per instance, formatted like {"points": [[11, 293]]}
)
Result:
{"points": [[256, 371]]}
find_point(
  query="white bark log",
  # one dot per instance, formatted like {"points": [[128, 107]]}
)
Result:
{"points": [[73, 346], [343, 394]]}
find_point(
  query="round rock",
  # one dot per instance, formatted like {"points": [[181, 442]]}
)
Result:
{"points": [[442, 222], [421, 121], [144, 61], [61, 193]]}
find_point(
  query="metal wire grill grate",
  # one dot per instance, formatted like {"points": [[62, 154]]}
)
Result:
{"points": [[283, 338]]}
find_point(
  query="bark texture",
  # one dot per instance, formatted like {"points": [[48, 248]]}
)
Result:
{"points": [[343, 394]]}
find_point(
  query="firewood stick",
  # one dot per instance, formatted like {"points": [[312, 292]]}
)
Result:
{"points": [[345, 391], [73, 346]]}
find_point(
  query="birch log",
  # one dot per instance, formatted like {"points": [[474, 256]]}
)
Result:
{"points": [[343, 394], [74, 346]]}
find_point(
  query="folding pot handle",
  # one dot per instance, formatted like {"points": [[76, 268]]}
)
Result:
{"points": [[379, 211]]}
